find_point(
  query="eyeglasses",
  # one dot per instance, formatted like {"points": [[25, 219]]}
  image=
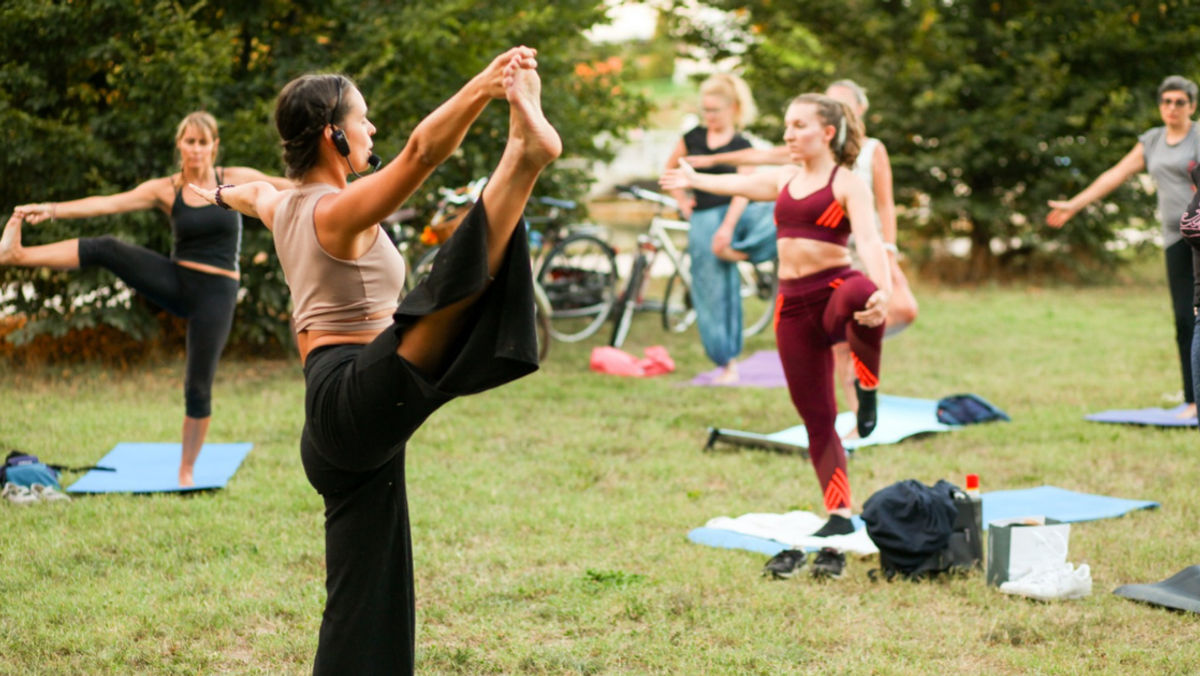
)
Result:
{"points": [[1174, 103]]}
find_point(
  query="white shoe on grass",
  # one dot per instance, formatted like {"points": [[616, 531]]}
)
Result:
{"points": [[48, 493], [1052, 584], [18, 494]]}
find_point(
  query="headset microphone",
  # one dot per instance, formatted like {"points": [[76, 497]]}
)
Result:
{"points": [[374, 161]]}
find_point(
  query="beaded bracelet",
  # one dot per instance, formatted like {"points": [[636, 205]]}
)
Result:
{"points": [[220, 202]]}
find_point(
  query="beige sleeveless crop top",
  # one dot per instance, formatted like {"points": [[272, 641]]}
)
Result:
{"points": [[333, 294]]}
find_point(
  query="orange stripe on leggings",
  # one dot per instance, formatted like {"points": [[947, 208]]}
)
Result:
{"points": [[836, 283], [837, 492], [778, 309], [869, 380], [831, 216]]}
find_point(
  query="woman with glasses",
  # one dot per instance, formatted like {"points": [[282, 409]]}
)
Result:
{"points": [[1166, 152], [724, 229]]}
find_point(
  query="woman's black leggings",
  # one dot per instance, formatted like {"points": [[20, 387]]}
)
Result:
{"points": [[206, 301], [1182, 283]]}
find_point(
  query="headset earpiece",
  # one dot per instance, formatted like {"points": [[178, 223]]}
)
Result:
{"points": [[339, 141]]}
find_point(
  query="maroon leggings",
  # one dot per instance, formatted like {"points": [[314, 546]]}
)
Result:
{"points": [[815, 312]]}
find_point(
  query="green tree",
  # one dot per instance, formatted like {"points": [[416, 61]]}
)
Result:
{"points": [[91, 93], [988, 108]]}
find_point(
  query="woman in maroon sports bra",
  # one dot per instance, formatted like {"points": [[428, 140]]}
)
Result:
{"points": [[819, 201]]}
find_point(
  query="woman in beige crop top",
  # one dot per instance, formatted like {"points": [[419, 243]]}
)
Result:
{"points": [[375, 371]]}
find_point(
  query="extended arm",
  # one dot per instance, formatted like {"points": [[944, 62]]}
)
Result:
{"points": [[760, 186], [257, 199], [1062, 211], [743, 157], [367, 201], [145, 196]]}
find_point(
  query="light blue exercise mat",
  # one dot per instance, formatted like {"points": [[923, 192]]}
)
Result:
{"points": [[1154, 417], [898, 419], [154, 468], [1057, 503]]}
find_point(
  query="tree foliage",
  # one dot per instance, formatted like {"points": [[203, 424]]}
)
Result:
{"points": [[988, 108], [92, 91]]}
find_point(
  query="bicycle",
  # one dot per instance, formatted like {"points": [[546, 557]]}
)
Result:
{"points": [[760, 281]]}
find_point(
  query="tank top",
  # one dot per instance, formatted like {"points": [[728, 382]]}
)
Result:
{"points": [[696, 143], [816, 216], [328, 293], [208, 234]]}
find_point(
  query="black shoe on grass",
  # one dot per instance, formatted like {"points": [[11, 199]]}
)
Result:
{"points": [[785, 564], [829, 563], [836, 525], [867, 409]]}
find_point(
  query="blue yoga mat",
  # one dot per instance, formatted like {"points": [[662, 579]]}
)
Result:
{"points": [[1056, 503], [1157, 417], [154, 468], [1051, 501], [898, 419]]}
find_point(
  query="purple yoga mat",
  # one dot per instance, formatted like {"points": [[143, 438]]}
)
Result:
{"points": [[761, 369]]}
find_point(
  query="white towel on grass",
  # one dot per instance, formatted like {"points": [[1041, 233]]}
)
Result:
{"points": [[795, 529]]}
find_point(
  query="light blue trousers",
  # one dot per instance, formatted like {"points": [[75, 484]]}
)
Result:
{"points": [[716, 288]]}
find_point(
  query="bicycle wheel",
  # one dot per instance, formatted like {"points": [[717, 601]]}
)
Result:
{"points": [[678, 315], [579, 277], [541, 314], [627, 302], [760, 290]]}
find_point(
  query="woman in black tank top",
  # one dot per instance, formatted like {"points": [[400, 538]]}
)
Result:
{"points": [[198, 282], [724, 229]]}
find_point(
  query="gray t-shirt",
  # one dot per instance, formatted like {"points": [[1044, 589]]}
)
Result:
{"points": [[1168, 165]]}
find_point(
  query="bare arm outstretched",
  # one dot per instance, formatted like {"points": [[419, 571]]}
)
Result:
{"points": [[1061, 211], [367, 201], [759, 187], [741, 158]]}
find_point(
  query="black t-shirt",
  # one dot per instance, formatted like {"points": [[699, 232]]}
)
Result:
{"points": [[696, 142]]}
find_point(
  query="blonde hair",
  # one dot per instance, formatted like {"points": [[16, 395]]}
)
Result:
{"points": [[848, 139], [201, 120], [736, 92]]}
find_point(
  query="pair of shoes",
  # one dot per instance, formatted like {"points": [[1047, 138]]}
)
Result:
{"points": [[867, 407], [785, 564], [48, 493], [1052, 584], [18, 494], [829, 563], [836, 525]]}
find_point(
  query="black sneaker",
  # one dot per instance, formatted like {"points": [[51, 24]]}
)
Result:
{"points": [[836, 525], [785, 564], [829, 563], [867, 408]]}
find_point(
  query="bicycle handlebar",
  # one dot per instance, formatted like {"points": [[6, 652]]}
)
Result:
{"points": [[649, 195]]}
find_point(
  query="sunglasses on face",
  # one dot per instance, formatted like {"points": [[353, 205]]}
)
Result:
{"points": [[1173, 103]]}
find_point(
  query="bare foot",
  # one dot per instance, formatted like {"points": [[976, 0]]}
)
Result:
{"points": [[728, 375], [186, 480], [1189, 412], [852, 434], [528, 127], [10, 242]]}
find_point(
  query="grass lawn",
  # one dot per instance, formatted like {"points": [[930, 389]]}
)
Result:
{"points": [[550, 517]]}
